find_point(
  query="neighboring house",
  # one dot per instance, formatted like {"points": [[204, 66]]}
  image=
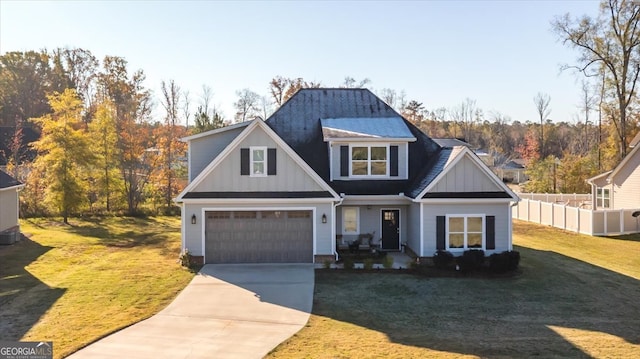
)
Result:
{"points": [[619, 188], [512, 171], [486, 157], [329, 167], [9, 209]]}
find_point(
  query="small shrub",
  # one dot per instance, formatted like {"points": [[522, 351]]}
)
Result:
{"points": [[348, 263], [368, 263], [470, 260], [185, 258], [514, 260], [442, 259], [504, 261], [326, 264], [387, 262]]}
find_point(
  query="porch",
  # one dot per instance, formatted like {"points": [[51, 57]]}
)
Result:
{"points": [[362, 228]]}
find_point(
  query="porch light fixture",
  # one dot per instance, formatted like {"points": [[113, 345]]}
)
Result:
{"points": [[193, 219], [324, 218]]}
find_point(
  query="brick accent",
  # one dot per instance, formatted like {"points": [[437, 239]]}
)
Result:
{"points": [[197, 260], [324, 257]]}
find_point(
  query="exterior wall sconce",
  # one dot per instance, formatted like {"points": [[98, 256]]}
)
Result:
{"points": [[193, 219], [324, 218]]}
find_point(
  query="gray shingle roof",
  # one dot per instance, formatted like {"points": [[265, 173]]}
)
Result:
{"points": [[7, 181], [450, 142], [298, 123]]}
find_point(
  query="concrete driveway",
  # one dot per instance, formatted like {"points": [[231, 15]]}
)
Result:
{"points": [[227, 311]]}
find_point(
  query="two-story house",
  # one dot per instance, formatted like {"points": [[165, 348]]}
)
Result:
{"points": [[327, 168]]}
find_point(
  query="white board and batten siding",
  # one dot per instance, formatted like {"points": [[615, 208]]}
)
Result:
{"points": [[289, 175], [501, 211], [626, 185], [466, 176]]}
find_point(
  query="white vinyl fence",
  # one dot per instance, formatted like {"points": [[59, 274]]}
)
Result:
{"points": [[561, 214]]}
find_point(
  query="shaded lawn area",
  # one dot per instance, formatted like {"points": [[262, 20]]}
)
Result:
{"points": [[74, 284], [575, 296]]}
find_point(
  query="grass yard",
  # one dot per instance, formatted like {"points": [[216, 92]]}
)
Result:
{"points": [[575, 297], [74, 284]]}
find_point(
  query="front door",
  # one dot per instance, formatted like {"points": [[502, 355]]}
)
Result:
{"points": [[391, 229]]}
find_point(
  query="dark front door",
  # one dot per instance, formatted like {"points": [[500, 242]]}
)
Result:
{"points": [[391, 229]]}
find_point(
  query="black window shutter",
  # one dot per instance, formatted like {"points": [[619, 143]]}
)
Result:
{"points": [[393, 164], [491, 232], [244, 161], [271, 161], [440, 232], [344, 161]]}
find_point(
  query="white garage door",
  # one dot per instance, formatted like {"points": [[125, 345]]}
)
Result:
{"points": [[259, 237]]}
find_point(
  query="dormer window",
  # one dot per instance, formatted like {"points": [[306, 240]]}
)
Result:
{"points": [[369, 160]]}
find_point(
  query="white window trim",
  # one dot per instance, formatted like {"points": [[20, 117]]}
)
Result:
{"points": [[600, 197], [368, 146], [344, 230], [465, 216], [251, 162]]}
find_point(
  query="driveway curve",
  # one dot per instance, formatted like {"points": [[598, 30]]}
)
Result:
{"points": [[227, 311]]}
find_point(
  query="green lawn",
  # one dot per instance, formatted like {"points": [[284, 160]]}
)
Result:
{"points": [[74, 284], [575, 297]]}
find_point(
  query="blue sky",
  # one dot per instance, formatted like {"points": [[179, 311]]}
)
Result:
{"points": [[499, 53]]}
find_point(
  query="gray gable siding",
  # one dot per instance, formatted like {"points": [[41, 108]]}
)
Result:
{"points": [[465, 176], [289, 175], [204, 149]]}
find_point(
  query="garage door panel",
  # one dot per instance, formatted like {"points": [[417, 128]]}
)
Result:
{"points": [[259, 237]]}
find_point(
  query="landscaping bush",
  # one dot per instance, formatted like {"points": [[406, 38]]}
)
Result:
{"points": [[387, 262], [471, 260], [348, 263], [327, 264], [186, 259], [504, 262], [442, 259], [368, 263]]}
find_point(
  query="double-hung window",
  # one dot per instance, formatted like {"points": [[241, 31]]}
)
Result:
{"points": [[465, 232], [602, 198], [369, 160], [258, 161], [350, 220]]}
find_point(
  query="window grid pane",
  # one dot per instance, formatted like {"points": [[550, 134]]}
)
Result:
{"points": [[465, 232], [350, 217]]}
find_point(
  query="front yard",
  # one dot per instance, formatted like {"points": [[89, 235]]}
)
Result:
{"points": [[576, 296], [74, 284]]}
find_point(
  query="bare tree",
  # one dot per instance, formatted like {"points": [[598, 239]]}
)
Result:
{"points": [[350, 82], [586, 106], [186, 103], [247, 106], [171, 103], [542, 101], [465, 114], [613, 41]]}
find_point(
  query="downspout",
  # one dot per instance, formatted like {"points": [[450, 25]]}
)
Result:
{"points": [[333, 230]]}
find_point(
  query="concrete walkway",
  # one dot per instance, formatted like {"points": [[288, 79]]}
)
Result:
{"points": [[227, 311]]}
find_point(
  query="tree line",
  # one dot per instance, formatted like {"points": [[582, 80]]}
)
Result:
{"points": [[100, 149]]}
